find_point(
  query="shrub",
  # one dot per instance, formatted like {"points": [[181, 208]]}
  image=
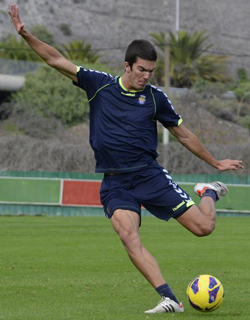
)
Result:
{"points": [[65, 28], [210, 89], [49, 94], [242, 91], [79, 50], [33, 125], [5, 110], [42, 33], [17, 49]]}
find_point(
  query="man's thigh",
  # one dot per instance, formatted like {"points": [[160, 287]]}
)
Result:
{"points": [[196, 221]]}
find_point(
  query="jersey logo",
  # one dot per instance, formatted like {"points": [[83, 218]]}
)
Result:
{"points": [[142, 99]]}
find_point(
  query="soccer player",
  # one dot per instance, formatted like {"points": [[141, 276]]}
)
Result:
{"points": [[123, 134]]}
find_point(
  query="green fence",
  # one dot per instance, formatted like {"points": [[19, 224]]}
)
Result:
{"points": [[35, 191], [38, 193], [59, 175], [226, 178], [237, 199], [45, 210]]}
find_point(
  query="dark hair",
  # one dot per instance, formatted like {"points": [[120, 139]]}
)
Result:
{"points": [[140, 49]]}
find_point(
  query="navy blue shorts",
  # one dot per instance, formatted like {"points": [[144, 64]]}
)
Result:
{"points": [[151, 187]]}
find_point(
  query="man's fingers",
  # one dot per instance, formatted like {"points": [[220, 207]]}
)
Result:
{"points": [[238, 165], [229, 164], [14, 12], [14, 9], [17, 11]]}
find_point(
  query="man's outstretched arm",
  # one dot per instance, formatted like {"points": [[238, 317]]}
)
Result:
{"points": [[192, 143], [49, 54]]}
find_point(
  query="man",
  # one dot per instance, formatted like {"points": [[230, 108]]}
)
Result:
{"points": [[123, 135]]}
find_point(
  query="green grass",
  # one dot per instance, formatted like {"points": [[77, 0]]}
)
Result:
{"points": [[76, 268]]}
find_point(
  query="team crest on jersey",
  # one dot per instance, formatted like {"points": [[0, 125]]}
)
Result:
{"points": [[142, 99]]}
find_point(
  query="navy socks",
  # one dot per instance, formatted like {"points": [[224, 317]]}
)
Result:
{"points": [[165, 291], [210, 193]]}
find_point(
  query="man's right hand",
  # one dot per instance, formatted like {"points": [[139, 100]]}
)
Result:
{"points": [[49, 54], [14, 14]]}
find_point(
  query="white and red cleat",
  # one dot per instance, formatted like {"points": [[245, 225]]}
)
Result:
{"points": [[219, 187]]}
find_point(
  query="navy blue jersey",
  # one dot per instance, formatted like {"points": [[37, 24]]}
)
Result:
{"points": [[123, 131]]}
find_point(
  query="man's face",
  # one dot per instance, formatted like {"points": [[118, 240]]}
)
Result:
{"points": [[140, 74]]}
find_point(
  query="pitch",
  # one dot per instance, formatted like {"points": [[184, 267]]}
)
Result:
{"points": [[74, 268]]}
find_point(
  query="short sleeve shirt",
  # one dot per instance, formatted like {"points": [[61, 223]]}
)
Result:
{"points": [[123, 131]]}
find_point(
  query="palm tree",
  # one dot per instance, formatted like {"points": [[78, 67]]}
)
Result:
{"points": [[79, 51], [188, 60]]}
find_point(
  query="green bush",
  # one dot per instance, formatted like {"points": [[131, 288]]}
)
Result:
{"points": [[210, 89], [50, 94], [246, 121], [242, 87], [29, 123], [225, 109], [42, 33], [242, 75], [65, 28], [17, 49], [242, 91]]}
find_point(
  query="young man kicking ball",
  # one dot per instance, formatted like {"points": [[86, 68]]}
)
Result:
{"points": [[123, 134]]}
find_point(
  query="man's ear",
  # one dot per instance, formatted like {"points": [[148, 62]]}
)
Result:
{"points": [[127, 67]]}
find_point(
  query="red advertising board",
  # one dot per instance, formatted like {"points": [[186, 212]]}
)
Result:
{"points": [[81, 193]]}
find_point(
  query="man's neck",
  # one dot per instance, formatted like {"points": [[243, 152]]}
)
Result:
{"points": [[125, 83]]}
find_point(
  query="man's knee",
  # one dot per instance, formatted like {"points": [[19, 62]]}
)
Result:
{"points": [[204, 230], [130, 239]]}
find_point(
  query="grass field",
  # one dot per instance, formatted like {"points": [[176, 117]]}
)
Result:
{"points": [[76, 268]]}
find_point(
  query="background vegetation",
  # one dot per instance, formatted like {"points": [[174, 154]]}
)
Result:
{"points": [[189, 59], [48, 117]]}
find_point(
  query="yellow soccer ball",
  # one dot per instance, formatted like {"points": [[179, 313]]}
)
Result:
{"points": [[205, 293]]}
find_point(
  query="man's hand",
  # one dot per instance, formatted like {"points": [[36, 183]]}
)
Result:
{"points": [[191, 142], [14, 14], [228, 164], [49, 54]]}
